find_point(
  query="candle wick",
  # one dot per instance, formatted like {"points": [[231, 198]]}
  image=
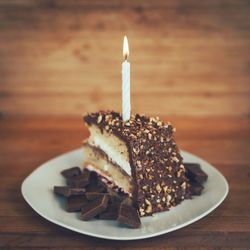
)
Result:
{"points": [[126, 57]]}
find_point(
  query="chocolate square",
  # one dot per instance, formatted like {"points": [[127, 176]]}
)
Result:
{"points": [[196, 189], [111, 213], [74, 171], [79, 181], [195, 173], [75, 203], [94, 207], [67, 191], [129, 216]]}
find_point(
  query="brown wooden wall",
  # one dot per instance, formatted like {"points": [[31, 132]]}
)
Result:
{"points": [[64, 57]]}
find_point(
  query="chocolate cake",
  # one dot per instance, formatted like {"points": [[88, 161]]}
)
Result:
{"points": [[138, 157]]}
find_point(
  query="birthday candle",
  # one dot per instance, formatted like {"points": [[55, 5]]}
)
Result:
{"points": [[126, 106]]}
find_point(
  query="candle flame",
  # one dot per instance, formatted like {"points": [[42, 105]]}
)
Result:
{"points": [[125, 48]]}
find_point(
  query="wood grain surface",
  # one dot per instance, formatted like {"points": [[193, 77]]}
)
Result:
{"points": [[64, 57], [190, 64], [27, 142]]}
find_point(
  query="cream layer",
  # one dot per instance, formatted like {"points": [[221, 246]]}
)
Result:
{"points": [[97, 160], [112, 146]]}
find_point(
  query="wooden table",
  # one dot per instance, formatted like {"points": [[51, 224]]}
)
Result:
{"points": [[26, 142], [190, 65]]}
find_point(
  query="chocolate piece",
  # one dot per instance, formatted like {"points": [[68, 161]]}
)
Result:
{"points": [[74, 171], [75, 203], [92, 196], [195, 173], [111, 213], [129, 216], [96, 187], [116, 197], [93, 208], [196, 189], [95, 184], [93, 177], [68, 191], [79, 180]]}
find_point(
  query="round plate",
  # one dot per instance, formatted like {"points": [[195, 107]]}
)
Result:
{"points": [[37, 190]]}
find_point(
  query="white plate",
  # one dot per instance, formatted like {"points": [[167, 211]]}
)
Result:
{"points": [[37, 190]]}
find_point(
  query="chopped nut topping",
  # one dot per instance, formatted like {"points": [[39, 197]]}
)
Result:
{"points": [[142, 212], [150, 177], [175, 159], [159, 123], [179, 173], [138, 163], [166, 189], [148, 209], [158, 188], [159, 206], [136, 151], [169, 197], [184, 185], [182, 167], [99, 119], [127, 124]]}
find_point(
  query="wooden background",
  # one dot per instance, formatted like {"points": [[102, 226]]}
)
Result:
{"points": [[64, 57], [190, 64]]}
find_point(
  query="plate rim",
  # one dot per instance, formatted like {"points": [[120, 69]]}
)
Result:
{"points": [[124, 238]]}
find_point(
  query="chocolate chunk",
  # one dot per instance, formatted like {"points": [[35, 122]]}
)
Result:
{"points": [[195, 173], [96, 186], [93, 208], [75, 203], [111, 213], [92, 195], [93, 177], [129, 216], [115, 197], [79, 180], [74, 171], [68, 191], [196, 189]]}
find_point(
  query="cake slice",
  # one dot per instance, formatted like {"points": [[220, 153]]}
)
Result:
{"points": [[138, 157]]}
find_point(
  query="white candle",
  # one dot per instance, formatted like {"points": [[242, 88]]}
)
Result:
{"points": [[126, 106]]}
